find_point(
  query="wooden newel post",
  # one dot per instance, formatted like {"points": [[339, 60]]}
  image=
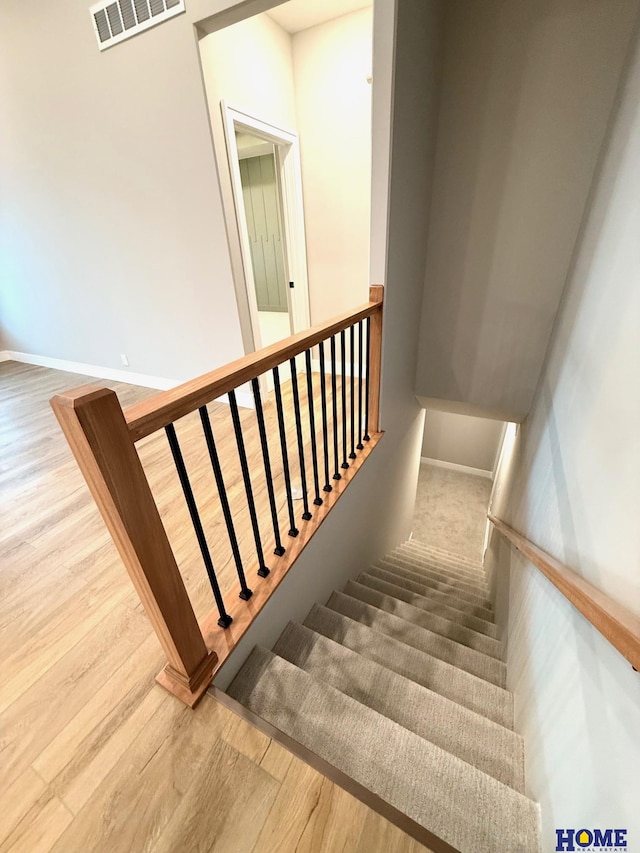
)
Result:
{"points": [[376, 294], [94, 425]]}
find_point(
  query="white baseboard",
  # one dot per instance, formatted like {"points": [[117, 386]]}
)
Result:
{"points": [[453, 466], [117, 375], [144, 380]]}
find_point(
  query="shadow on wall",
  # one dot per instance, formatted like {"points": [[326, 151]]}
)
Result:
{"points": [[527, 89], [469, 187], [462, 442]]}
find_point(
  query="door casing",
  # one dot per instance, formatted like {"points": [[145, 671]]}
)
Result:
{"points": [[287, 154]]}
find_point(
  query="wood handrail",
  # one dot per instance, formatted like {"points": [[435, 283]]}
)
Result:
{"points": [[102, 438], [156, 412], [618, 625]]}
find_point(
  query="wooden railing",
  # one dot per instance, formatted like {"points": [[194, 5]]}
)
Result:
{"points": [[102, 437], [617, 624]]}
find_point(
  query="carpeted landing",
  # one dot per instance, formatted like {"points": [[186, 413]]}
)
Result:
{"points": [[398, 681]]}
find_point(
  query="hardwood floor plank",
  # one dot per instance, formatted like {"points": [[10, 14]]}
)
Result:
{"points": [[107, 709], [39, 829], [137, 799], [380, 836], [40, 713], [65, 628], [246, 739], [19, 799], [76, 790], [276, 761], [297, 799], [335, 824], [225, 807]]}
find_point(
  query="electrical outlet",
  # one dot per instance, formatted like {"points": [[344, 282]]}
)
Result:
{"points": [[124, 360]]}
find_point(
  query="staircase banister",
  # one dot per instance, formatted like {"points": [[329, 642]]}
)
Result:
{"points": [[615, 622], [156, 412]]}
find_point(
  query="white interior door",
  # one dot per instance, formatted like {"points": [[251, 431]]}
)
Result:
{"points": [[289, 181]]}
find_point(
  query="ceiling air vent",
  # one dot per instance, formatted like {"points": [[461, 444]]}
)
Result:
{"points": [[121, 19]]}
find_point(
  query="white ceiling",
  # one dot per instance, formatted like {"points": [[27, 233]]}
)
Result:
{"points": [[299, 15]]}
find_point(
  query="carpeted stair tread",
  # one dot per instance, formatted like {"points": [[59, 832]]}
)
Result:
{"points": [[429, 579], [390, 603], [448, 650], [476, 574], [472, 692], [406, 590], [420, 558], [463, 806], [475, 595], [472, 575], [484, 744], [431, 589], [463, 564], [476, 583], [445, 552], [461, 559], [478, 590]]}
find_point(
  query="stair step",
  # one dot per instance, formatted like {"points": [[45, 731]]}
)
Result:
{"points": [[470, 660], [429, 588], [450, 556], [478, 592], [466, 572], [458, 803], [471, 737], [424, 577], [400, 588], [460, 686], [426, 619], [426, 558]]}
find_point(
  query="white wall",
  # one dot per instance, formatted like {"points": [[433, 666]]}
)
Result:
{"points": [[314, 83], [112, 232], [461, 439], [527, 90], [249, 65], [333, 104], [111, 227], [576, 493]]}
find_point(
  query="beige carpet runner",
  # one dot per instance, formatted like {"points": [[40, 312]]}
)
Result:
{"points": [[398, 681]]}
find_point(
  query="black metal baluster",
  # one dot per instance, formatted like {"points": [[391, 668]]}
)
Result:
{"points": [[325, 432], [296, 409], [293, 530], [224, 502], [366, 436], [343, 395], [352, 347], [225, 620], [263, 571], [334, 405], [312, 428], [279, 549], [360, 445]]}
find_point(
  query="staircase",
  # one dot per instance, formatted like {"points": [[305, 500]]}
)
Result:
{"points": [[398, 681]]}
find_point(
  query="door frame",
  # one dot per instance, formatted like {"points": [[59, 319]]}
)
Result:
{"points": [[288, 169]]}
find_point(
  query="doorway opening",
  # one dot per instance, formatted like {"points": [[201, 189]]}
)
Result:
{"points": [[298, 77], [264, 162]]}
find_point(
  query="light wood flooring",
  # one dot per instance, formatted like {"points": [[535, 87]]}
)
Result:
{"points": [[94, 755]]}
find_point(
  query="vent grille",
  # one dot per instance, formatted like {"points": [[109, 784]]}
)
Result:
{"points": [[115, 21]]}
